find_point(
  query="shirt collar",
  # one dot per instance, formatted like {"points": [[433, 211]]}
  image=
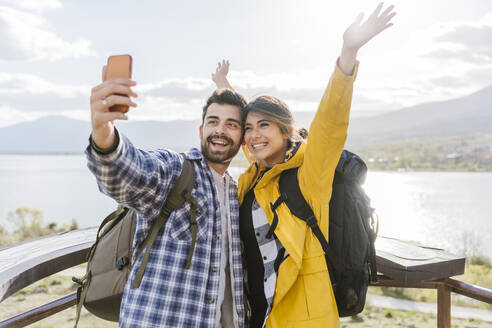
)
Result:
{"points": [[196, 155], [193, 154]]}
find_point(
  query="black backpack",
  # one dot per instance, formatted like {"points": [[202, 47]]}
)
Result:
{"points": [[350, 255]]}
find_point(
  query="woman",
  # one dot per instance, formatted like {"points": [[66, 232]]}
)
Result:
{"points": [[288, 281]]}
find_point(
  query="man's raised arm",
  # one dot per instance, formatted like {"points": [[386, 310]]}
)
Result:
{"points": [[132, 177], [116, 91]]}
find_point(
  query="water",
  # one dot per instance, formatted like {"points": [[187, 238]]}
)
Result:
{"points": [[447, 210], [450, 210], [60, 186]]}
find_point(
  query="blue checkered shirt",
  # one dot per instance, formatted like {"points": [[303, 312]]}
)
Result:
{"points": [[170, 295]]}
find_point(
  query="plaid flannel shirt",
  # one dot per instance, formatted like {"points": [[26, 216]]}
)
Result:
{"points": [[169, 295]]}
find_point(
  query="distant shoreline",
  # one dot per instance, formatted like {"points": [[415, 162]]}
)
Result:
{"points": [[377, 169], [41, 154]]}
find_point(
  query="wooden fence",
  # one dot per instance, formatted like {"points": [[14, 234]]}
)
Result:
{"points": [[401, 264]]}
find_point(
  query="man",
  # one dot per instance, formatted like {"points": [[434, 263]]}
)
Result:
{"points": [[210, 292]]}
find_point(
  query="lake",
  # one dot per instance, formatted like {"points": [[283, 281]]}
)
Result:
{"points": [[451, 210]]}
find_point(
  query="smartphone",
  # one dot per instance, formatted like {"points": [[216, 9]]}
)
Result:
{"points": [[119, 66]]}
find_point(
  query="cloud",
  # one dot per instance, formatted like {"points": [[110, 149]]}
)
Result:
{"points": [[181, 90], [26, 36], [246, 83], [442, 61], [446, 60], [461, 54], [463, 41], [19, 83], [366, 105], [482, 75], [29, 93], [449, 81], [293, 93], [184, 98], [168, 99], [37, 5], [10, 116], [471, 41], [166, 109]]}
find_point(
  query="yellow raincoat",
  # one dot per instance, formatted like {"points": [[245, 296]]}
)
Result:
{"points": [[303, 292]]}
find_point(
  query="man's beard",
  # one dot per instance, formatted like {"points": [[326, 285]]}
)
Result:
{"points": [[221, 157]]}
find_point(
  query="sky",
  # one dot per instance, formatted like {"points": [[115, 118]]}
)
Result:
{"points": [[52, 53]]}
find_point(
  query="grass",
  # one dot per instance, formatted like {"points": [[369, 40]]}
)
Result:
{"points": [[385, 318]]}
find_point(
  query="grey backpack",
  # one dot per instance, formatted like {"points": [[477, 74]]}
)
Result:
{"points": [[109, 259]]}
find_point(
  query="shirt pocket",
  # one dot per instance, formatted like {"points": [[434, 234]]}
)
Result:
{"points": [[180, 227]]}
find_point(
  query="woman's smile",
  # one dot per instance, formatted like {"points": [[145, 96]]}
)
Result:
{"points": [[258, 146], [264, 139]]}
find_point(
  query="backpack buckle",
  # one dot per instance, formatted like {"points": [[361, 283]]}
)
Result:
{"points": [[311, 221], [77, 281], [122, 262]]}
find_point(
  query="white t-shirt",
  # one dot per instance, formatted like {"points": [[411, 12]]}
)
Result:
{"points": [[224, 316]]}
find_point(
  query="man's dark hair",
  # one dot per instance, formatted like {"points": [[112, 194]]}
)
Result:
{"points": [[225, 97]]}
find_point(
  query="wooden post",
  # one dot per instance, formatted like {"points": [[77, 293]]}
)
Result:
{"points": [[443, 306]]}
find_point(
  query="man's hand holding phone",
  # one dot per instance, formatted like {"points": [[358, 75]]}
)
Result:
{"points": [[110, 100]]}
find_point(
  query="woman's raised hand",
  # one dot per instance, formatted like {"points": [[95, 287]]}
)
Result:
{"points": [[359, 33], [220, 75]]}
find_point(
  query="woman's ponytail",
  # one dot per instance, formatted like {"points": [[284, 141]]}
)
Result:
{"points": [[303, 133]]}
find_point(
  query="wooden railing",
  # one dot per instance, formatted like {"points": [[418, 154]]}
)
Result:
{"points": [[26, 263], [444, 288]]}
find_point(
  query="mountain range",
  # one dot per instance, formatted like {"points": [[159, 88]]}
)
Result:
{"points": [[464, 116], [469, 115]]}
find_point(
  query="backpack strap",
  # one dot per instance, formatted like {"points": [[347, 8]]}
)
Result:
{"points": [[119, 213], [352, 168], [373, 232], [292, 196], [273, 207], [180, 193], [81, 294]]}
